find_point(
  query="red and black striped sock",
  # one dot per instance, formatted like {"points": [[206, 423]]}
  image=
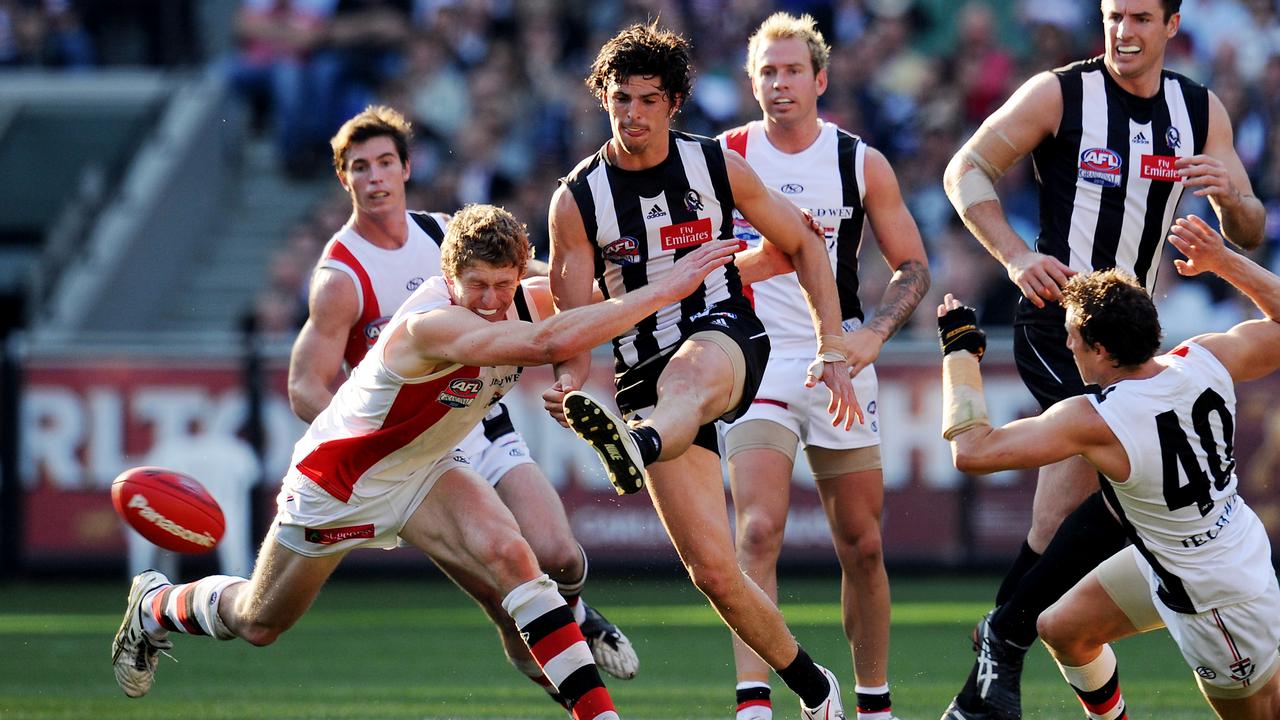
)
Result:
{"points": [[547, 625], [1097, 684]]}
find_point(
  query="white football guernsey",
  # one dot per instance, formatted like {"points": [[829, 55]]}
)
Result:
{"points": [[826, 179], [384, 278], [382, 429], [1179, 504]]}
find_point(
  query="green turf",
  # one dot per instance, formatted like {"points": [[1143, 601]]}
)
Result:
{"points": [[379, 649]]}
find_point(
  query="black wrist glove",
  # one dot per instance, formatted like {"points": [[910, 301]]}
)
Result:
{"points": [[958, 330]]}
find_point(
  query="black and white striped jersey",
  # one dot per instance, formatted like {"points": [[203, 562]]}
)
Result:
{"points": [[642, 222], [1108, 188]]}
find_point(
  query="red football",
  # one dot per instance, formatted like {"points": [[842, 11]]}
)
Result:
{"points": [[168, 508]]}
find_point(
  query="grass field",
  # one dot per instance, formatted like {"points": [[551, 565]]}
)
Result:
{"points": [[381, 649]]}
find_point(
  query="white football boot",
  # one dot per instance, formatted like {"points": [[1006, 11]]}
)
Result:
{"points": [[133, 652], [829, 709]]}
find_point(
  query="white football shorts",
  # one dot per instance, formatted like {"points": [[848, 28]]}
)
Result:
{"points": [[1232, 649], [493, 459], [311, 522], [783, 399]]}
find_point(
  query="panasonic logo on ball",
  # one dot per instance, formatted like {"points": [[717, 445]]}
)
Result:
{"points": [[148, 513]]}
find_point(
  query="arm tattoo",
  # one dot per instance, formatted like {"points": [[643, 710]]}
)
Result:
{"points": [[905, 291]]}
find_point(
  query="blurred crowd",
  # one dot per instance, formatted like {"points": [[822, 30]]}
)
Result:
{"points": [[495, 91]]}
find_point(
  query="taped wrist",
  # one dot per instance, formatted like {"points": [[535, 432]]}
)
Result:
{"points": [[963, 406], [831, 349]]}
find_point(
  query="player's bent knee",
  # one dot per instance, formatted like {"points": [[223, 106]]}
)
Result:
{"points": [[509, 558], [1055, 633], [561, 562]]}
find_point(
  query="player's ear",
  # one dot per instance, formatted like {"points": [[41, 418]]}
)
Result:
{"points": [[677, 101], [820, 81]]}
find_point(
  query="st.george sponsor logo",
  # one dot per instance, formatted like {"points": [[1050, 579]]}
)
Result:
{"points": [[623, 251], [373, 329], [1100, 166], [1160, 168], [153, 516], [461, 392], [330, 536], [686, 234]]}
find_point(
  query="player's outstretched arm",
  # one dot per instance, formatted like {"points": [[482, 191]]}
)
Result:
{"points": [[902, 248], [1013, 131], [1218, 174], [784, 224], [1251, 349], [1071, 427], [456, 335], [316, 358]]}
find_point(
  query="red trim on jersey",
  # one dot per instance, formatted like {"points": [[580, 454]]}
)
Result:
{"points": [[336, 465], [736, 140], [550, 647], [592, 704], [1180, 351], [358, 342]]}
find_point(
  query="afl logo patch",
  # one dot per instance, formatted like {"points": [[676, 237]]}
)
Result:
{"points": [[792, 189], [413, 284], [374, 329], [1100, 166], [623, 251], [460, 392]]}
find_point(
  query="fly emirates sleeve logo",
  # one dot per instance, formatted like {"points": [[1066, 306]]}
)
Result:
{"points": [[1160, 168], [686, 234]]}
